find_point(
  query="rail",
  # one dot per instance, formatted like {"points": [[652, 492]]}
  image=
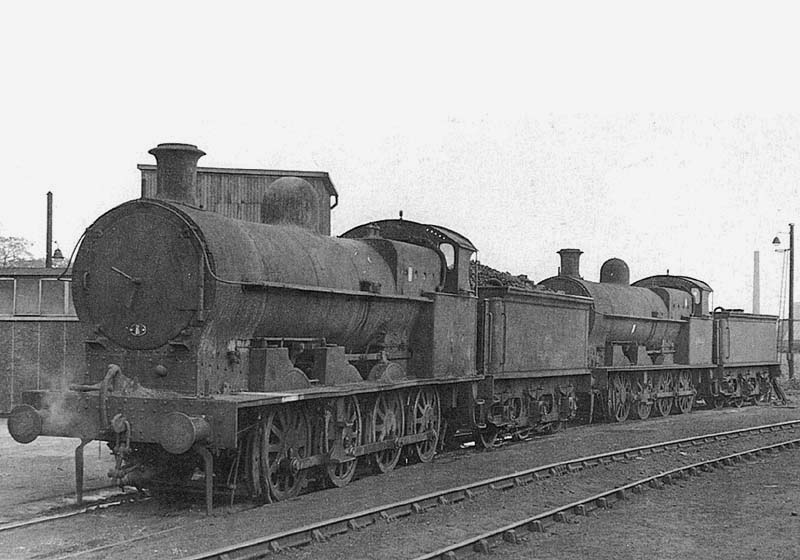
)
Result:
{"points": [[321, 531], [485, 542]]}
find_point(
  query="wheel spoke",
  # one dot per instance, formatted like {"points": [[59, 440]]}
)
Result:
{"points": [[390, 408], [643, 410], [685, 402], [426, 417], [665, 385], [340, 474], [289, 437], [618, 397]]}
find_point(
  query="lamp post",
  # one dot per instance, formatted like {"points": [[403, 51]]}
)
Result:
{"points": [[790, 341]]}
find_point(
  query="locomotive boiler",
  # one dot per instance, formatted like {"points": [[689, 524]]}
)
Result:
{"points": [[163, 278], [628, 324], [207, 328]]}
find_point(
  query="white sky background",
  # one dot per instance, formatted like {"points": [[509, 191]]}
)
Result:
{"points": [[666, 134]]}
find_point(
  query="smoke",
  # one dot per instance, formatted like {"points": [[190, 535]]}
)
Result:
{"points": [[60, 381], [59, 417]]}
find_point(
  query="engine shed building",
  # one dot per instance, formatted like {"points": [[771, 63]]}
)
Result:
{"points": [[243, 193], [41, 339]]}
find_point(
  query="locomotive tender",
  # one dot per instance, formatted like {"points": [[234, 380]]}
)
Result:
{"points": [[268, 352]]}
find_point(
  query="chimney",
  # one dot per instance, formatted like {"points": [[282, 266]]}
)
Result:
{"points": [[756, 283], [570, 263], [176, 172], [48, 256]]}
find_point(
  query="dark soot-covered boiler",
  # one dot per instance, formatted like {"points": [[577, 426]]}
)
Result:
{"points": [[624, 319], [170, 278], [213, 337]]}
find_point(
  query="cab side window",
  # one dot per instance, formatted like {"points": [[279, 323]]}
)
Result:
{"points": [[449, 253]]}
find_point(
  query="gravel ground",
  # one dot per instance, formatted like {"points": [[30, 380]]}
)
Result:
{"points": [[226, 527], [748, 511], [45, 470]]}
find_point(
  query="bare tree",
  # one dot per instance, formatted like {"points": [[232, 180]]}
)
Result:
{"points": [[14, 251]]}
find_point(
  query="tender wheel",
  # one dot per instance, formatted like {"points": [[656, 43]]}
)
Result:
{"points": [[685, 384], [619, 404], [643, 409], [285, 439], [488, 437], [387, 423], [664, 406], [738, 402], [718, 402], [685, 404], [340, 474], [764, 392], [426, 417]]}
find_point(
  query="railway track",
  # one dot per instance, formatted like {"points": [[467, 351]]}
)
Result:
{"points": [[91, 504], [325, 530], [511, 533]]}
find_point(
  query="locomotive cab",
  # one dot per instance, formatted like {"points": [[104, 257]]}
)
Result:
{"points": [[692, 298], [698, 291], [453, 249], [442, 341]]}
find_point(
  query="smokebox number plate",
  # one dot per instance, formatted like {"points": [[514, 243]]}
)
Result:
{"points": [[137, 329]]}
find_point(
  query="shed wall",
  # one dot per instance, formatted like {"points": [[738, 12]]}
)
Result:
{"points": [[239, 193], [43, 353], [41, 339]]}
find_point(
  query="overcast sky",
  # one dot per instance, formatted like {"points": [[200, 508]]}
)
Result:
{"points": [[668, 135]]}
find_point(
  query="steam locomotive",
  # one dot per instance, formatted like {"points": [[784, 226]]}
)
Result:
{"points": [[265, 353]]}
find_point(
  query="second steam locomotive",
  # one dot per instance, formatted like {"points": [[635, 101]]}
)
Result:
{"points": [[266, 352]]}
